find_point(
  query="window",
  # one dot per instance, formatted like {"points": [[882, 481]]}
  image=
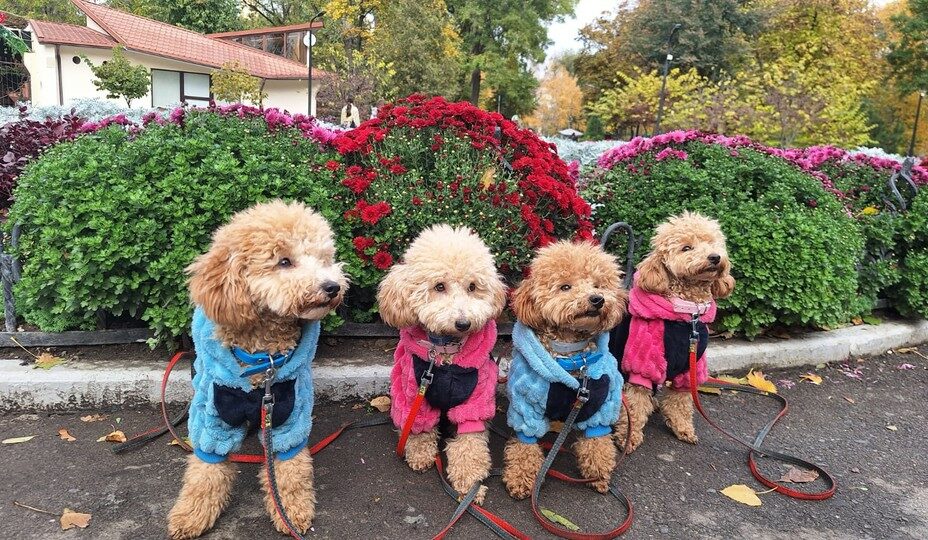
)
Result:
{"points": [[275, 44], [171, 87]]}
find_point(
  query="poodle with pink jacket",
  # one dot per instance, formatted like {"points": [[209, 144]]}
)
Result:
{"points": [[444, 297]]}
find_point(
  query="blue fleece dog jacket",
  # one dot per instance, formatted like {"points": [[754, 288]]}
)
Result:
{"points": [[534, 374], [212, 438]]}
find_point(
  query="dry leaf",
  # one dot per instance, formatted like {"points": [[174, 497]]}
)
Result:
{"points": [[849, 399], [71, 519], [892, 427], [487, 179], [732, 380], [742, 494], [907, 350], [116, 436], [47, 361], [93, 418], [812, 378], [798, 476], [710, 390], [65, 435], [381, 403], [17, 440], [357, 406], [857, 321], [174, 442], [757, 380]]}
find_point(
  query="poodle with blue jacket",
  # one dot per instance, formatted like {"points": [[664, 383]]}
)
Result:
{"points": [[260, 291], [565, 308]]}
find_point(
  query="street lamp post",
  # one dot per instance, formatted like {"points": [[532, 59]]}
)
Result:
{"points": [[667, 59], [918, 110], [309, 40]]}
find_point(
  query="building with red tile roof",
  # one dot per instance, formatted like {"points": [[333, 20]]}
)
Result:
{"points": [[180, 60]]}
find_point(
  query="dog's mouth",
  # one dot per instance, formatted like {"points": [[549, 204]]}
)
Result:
{"points": [[591, 313]]}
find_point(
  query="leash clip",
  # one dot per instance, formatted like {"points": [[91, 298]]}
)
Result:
{"points": [[583, 393], [268, 383], [427, 377]]}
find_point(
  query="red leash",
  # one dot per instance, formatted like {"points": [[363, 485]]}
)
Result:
{"points": [[755, 447]]}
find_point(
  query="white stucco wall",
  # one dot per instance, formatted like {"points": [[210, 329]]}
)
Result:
{"points": [[77, 79]]}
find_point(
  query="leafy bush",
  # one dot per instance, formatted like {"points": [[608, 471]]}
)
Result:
{"points": [[794, 249], [911, 296], [25, 139], [111, 219], [423, 161]]}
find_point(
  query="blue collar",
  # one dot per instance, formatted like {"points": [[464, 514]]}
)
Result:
{"points": [[260, 362], [579, 360]]}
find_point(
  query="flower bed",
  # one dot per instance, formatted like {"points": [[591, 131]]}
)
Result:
{"points": [[426, 161], [111, 219]]}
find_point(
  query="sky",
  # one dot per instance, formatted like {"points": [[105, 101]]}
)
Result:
{"points": [[564, 35]]}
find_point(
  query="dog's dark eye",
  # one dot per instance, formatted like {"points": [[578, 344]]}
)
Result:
{"points": [[687, 248], [472, 287], [440, 287], [565, 287], [284, 263]]}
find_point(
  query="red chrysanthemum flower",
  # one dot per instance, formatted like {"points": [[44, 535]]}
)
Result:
{"points": [[362, 242], [375, 212], [332, 165], [383, 260]]}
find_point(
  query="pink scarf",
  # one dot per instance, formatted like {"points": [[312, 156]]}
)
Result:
{"points": [[475, 353], [644, 361]]}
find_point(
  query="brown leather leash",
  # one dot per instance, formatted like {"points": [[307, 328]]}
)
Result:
{"points": [[754, 448]]}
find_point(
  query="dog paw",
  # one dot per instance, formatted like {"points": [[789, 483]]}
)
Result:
{"points": [[518, 487], [687, 436], [419, 463], [478, 499], [601, 485], [629, 444], [301, 516], [186, 524]]}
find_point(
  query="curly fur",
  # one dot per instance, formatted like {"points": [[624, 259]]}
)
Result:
{"points": [[680, 260], [558, 300], [295, 487], [688, 260], [259, 302], [446, 277]]}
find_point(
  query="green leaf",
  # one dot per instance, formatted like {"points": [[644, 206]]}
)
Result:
{"points": [[559, 519]]}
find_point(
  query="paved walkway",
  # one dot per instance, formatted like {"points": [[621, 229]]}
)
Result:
{"points": [[365, 492]]}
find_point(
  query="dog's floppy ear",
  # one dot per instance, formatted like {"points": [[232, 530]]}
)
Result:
{"points": [[218, 286], [394, 298], [723, 286], [652, 276], [523, 306], [498, 290]]}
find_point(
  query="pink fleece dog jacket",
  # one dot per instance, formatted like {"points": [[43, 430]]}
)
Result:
{"points": [[657, 347], [470, 415]]}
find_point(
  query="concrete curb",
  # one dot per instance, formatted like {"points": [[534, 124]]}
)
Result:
{"points": [[98, 384]]}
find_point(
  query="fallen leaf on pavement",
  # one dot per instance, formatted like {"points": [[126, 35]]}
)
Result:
{"points": [[17, 440], [905, 366], [732, 380], [66, 435], [93, 417], [116, 436], [47, 361], [559, 519], [854, 373], [907, 350], [849, 399], [821, 366], [357, 406], [786, 383], [381, 403], [892, 428], [799, 476], [742, 494], [710, 390], [174, 442], [855, 470], [857, 321], [757, 380], [812, 378], [71, 519]]}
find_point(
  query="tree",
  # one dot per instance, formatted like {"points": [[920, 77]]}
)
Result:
{"points": [[204, 16], [119, 78], [503, 38], [425, 56], [908, 54], [234, 84], [559, 102], [46, 10]]}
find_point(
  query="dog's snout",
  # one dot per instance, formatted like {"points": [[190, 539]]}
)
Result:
{"points": [[715, 258], [597, 300], [462, 325], [331, 288]]}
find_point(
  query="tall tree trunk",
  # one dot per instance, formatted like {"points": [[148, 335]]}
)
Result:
{"points": [[475, 86]]}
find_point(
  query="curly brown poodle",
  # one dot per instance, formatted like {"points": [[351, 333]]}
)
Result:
{"points": [[573, 294], [267, 272], [444, 297], [688, 266]]}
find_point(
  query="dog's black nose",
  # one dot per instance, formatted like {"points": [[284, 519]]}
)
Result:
{"points": [[462, 325], [715, 258], [331, 288], [597, 300]]}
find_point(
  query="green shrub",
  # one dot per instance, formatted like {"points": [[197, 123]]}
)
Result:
{"points": [[111, 219], [793, 248], [911, 296]]}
